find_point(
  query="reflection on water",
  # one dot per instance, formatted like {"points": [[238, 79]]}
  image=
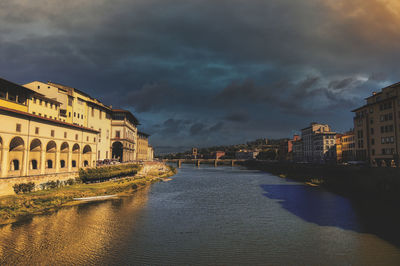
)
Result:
{"points": [[76, 235], [207, 215]]}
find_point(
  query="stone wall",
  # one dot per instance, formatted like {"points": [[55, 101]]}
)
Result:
{"points": [[6, 184]]}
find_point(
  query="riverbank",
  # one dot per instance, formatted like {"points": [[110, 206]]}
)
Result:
{"points": [[359, 182], [18, 207]]}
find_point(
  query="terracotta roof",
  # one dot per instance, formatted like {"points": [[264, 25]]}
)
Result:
{"points": [[47, 119]]}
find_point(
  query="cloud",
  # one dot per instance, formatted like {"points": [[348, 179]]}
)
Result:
{"points": [[207, 67]]}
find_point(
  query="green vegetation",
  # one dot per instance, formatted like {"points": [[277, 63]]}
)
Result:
{"points": [[55, 196], [24, 187], [108, 172]]}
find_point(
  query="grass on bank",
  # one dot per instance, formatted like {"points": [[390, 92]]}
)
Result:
{"points": [[15, 207]]}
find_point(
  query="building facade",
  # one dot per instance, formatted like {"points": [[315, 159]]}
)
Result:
{"points": [[124, 140], [143, 146], [376, 127], [307, 135], [347, 146]]}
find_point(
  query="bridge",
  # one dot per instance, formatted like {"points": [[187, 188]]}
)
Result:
{"points": [[197, 162]]}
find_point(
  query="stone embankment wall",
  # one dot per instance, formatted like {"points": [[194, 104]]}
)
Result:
{"points": [[151, 168], [6, 184]]}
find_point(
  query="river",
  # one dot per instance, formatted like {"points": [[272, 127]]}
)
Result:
{"points": [[210, 216]]}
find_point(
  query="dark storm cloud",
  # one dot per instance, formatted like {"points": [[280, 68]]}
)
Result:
{"points": [[209, 67]]}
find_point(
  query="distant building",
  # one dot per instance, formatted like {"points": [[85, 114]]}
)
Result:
{"points": [[298, 154], [348, 146], [217, 154], [246, 155], [143, 146], [324, 147], [307, 135], [194, 153], [286, 148]]}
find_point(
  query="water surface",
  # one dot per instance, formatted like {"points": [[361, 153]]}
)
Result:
{"points": [[207, 215]]}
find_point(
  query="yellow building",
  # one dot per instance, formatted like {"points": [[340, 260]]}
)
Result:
{"points": [[376, 127], [33, 144], [124, 135], [347, 147], [143, 146]]}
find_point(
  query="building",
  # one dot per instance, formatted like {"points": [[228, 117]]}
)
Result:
{"points": [[194, 153], [246, 155], [347, 146], [143, 146], [307, 135], [124, 136], [298, 154], [376, 127], [217, 155], [339, 148], [286, 148], [324, 147], [34, 139]]}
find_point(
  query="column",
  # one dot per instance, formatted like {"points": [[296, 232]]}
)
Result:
{"points": [[4, 162], [42, 161], [57, 161], [69, 160]]}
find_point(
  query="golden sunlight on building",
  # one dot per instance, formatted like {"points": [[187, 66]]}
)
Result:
{"points": [[49, 131]]}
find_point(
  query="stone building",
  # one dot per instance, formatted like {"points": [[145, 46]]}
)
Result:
{"points": [[124, 140], [347, 146], [307, 135], [376, 127], [143, 146]]}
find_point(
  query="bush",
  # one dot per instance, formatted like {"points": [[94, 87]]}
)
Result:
{"points": [[106, 173], [24, 187]]}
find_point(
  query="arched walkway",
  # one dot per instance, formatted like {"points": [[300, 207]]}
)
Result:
{"points": [[75, 156], [64, 154], [35, 150], [51, 149], [117, 151], [16, 155], [87, 156]]}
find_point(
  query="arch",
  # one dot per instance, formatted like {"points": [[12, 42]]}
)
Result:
{"points": [[34, 164], [34, 159], [51, 146], [75, 148], [36, 145], [64, 147], [117, 151], [85, 163], [87, 149], [14, 166], [16, 156], [17, 144]]}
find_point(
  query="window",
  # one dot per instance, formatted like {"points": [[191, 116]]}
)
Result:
{"points": [[98, 155], [34, 165], [371, 121], [78, 115], [52, 132], [373, 152], [69, 114], [87, 138], [73, 163], [70, 99], [62, 164], [12, 97], [94, 139], [49, 164], [100, 114], [106, 154], [372, 131], [36, 130], [117, 134], [65, 135], [92, 111], [18, 128], [372, 141], [40, 102], [74, 114], [371, 110], [3, 94], [34, 100], [45, 104], [76, 136]]}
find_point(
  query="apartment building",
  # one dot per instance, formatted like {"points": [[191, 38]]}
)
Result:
{"points": [[324, 147], [346, 144], [376, 127], [309, 143]]}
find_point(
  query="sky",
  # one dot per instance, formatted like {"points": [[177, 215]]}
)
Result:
{"points": [[209, 72]]}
